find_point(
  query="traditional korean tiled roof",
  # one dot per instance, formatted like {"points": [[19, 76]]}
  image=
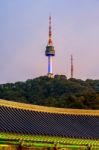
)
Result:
{"points": [[24, 119]]}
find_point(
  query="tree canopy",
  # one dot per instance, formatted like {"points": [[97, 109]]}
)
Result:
{"points": [[57, 92]]}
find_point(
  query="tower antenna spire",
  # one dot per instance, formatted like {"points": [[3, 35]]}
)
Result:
{"points": [[72, 67], [50, 32]]}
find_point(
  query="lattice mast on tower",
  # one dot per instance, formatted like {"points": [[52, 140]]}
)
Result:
{"points": [[72, 67], [50, 52]]}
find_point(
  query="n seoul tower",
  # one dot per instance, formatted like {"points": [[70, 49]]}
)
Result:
{"points": [[50, 52]]}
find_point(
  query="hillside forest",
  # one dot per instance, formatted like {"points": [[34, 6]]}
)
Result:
{"points": [[57, 92]]}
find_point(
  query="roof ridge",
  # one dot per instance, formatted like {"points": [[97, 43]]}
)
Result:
{"points": [[46, 109]]}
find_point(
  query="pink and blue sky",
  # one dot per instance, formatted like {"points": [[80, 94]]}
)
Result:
{"points": [[24, 36]]}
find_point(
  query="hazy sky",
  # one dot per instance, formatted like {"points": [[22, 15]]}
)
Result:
{"points": [[24, 36]]}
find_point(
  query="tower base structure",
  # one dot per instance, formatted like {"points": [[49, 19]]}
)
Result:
{"points": [[50, 75]]}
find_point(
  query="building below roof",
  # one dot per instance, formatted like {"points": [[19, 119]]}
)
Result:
{"points": [[31, 126]]}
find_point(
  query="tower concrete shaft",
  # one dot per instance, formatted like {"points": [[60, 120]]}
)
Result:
{"points": [[50, 65], [50, 52]]}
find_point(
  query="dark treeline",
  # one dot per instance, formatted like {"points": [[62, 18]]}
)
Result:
{"points": [[57, 92]]}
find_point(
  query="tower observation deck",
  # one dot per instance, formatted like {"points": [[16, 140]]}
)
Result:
{"points": [[50, 52]]}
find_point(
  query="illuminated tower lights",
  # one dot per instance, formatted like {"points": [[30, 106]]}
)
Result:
{"points": [[50, 52]]}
